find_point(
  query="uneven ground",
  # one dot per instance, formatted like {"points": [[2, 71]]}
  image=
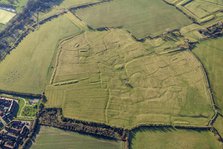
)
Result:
{"points": [[211, 54], [28, 67], [5, 16], [49, 138], [109, 77], [142, 17], [175, 139], [201, 11]]}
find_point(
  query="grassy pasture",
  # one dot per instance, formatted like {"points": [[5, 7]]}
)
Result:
{"points": [[72, 3], [219, 125], [109, 77], [28, 67], [66, 4], [55, 138], [175, 139], [5, 16], [142, 17], [83, 101], [210, 53]]}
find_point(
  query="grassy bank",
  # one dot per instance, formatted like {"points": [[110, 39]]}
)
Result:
{"points": [[211, 54]]}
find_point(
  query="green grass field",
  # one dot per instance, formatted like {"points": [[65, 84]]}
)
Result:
{"points": [[175, 139], [109, 77], [219, 125], [202, 11], [27, 110], [5, 16], [142, 18], [28, 67], [72, 3], [22, 104], [66, 4], [19, 4], [49, 138], [211, 54]]}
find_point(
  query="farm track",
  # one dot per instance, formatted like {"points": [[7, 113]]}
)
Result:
{"points": [[20, 114], [73, 18], [106, 108]]}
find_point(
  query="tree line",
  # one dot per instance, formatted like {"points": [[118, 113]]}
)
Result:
{"points": [[21, 25]]}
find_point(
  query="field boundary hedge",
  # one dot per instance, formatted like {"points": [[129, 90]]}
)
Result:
{"points": [[53, 117], [19, 94]]}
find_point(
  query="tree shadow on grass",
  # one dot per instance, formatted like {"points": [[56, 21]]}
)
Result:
{"points": [[161, 129]]}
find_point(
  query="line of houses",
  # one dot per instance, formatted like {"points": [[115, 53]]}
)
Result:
{"points": [[13, 133], [8, 110]]}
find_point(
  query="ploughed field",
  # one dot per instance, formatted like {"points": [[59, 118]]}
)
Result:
{"points": [[108, 77], [174, 139], [49, 138], [142, 17]]}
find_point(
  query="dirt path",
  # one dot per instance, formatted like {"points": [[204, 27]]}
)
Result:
{"points": [[74, 19]]}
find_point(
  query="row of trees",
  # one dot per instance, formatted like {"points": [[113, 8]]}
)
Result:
{"points": [[20, 25], [53, 117], [9, 5]]}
